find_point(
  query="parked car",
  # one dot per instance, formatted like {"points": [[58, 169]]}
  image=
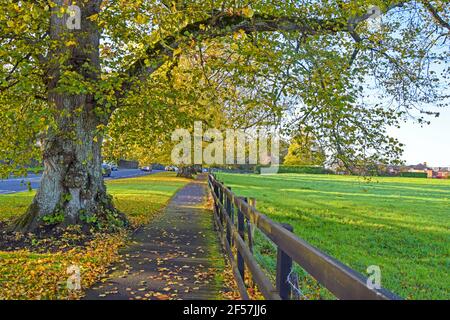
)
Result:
{"points": [[171, 168], [113, 166], [106, 170], [147, 168]]}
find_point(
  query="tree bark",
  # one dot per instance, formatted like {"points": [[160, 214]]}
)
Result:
{"points": [[72, 186], [186, 172]]}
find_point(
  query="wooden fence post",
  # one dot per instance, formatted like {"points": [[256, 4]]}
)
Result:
{"points": [[220, 197], [241, 231], [229, 209], [214, 192], [250, 234], [250, 227], [284, 266]]}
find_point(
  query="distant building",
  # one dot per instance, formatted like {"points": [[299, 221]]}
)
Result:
{"points": [[393, 170], [417, 170], [421, 167], [437, 173], [442, 173]]}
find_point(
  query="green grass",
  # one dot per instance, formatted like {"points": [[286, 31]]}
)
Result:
{"points": [[399, 224], [28, 275], [35, 169], [12, 205], [140, 198]]}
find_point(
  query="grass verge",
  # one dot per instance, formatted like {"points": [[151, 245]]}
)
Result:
{"points": [[25, 274]]}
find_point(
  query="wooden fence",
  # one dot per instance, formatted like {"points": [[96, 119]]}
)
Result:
{"points": [[236, 236]]}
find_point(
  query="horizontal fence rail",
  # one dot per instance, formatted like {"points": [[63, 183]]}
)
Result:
{"points": [[339, 279]]}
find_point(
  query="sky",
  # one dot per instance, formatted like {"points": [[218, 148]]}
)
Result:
{"points": [[430, 143]]}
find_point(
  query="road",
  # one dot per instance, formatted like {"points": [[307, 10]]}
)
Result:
{"points": [[15, 184]]}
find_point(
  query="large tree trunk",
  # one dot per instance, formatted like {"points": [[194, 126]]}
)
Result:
{"points": [[72, 187]]}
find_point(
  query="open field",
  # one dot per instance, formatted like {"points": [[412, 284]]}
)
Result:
{"points": [[28, 274], [399, 224]]}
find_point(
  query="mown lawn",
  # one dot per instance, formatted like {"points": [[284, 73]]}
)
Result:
{"points": [[28, 275], [399, 224]]}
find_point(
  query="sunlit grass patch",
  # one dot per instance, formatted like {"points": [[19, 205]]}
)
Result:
{"points": [[141, 198], [13, 205]]}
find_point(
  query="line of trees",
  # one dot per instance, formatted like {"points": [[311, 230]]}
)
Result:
{"points": [[135, 70]]}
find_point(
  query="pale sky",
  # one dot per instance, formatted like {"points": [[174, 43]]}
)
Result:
{"points": [[429, 143]]}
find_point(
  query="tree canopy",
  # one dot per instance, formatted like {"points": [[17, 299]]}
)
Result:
{"points": [[309, 58], [304, 150], [136, 70]]}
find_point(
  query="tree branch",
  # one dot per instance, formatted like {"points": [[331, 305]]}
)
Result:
{"points": [[222, 24], [436, 15]]}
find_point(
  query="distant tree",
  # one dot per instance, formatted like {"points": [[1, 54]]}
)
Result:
{"points": [[304, 150]]}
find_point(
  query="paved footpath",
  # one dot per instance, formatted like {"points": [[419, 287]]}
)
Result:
{"points": [[176, 256]]}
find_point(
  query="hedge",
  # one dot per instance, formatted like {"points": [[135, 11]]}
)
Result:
{"points": [[413, 174]]}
